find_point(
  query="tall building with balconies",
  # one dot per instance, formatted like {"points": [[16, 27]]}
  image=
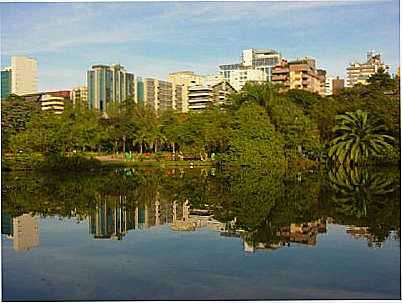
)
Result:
{"points": [[358, 73], [79, 95], [255, 65], [238, 78], [184, 79], [204, 96], [108, 84], [299, 74], [162, 95]]}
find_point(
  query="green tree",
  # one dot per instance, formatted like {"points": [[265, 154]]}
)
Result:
{"points": [[359, 137], [254, 141]]}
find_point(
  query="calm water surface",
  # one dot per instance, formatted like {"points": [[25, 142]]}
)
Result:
{"points": [[201, 235]]}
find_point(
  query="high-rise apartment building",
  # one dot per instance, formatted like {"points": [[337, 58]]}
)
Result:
{"points": [[328, 86], [162, 95], [20, 78], [204, 96], [300, 74], [79, 95], [108, 84], [183, 79], [358, 73], [262, 60]]}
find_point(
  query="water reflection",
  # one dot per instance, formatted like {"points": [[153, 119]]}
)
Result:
{"points": [[23, 231], [265, 210]]}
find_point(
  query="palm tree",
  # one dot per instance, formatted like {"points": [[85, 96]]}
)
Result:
{"points": [[360, 136]]}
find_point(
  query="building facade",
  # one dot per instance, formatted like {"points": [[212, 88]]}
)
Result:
{"points": [[79, 95], [337, 86], [328, 86], [24, 79], [299, 74], [358, 73], [6, 75], [162, 95], [204, 96], [261, 60], [54, 101], [108, 84], [238, 78], [20, 78], [181, 81]]}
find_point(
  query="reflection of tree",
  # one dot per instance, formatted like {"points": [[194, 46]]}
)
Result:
{"points": [[261, 204], [370, 197]]}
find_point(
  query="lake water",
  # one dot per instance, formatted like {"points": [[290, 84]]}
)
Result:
{"points": [[205, 234]]}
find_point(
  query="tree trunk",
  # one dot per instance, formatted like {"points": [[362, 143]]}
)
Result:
{"points": [[124, 144], [141, 148], [173, 145]]}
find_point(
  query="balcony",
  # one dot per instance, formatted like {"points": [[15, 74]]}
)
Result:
{"points": [[279, 77]]}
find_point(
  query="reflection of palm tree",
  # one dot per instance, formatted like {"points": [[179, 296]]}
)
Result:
{"points": [[359, 137], [356, 188]]}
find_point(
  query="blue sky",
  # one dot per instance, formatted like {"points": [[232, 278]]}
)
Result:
{"points": [[152, 39]]}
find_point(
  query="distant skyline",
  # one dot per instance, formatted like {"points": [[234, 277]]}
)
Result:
{"points": [[152, 39]]}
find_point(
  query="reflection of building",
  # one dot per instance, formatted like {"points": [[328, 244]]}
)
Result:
{"points": [[23, 230], [304, 233], [250, 247], [187, 221], [363, 233], [110, 220]]}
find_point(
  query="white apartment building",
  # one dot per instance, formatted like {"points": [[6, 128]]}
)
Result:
{"points": [[261, 60], [79, 95], [49, 102], [238, 78], [24, 75], [329, 86]]}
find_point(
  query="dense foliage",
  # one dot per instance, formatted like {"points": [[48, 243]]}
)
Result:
{"points": [[262, 126]]}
